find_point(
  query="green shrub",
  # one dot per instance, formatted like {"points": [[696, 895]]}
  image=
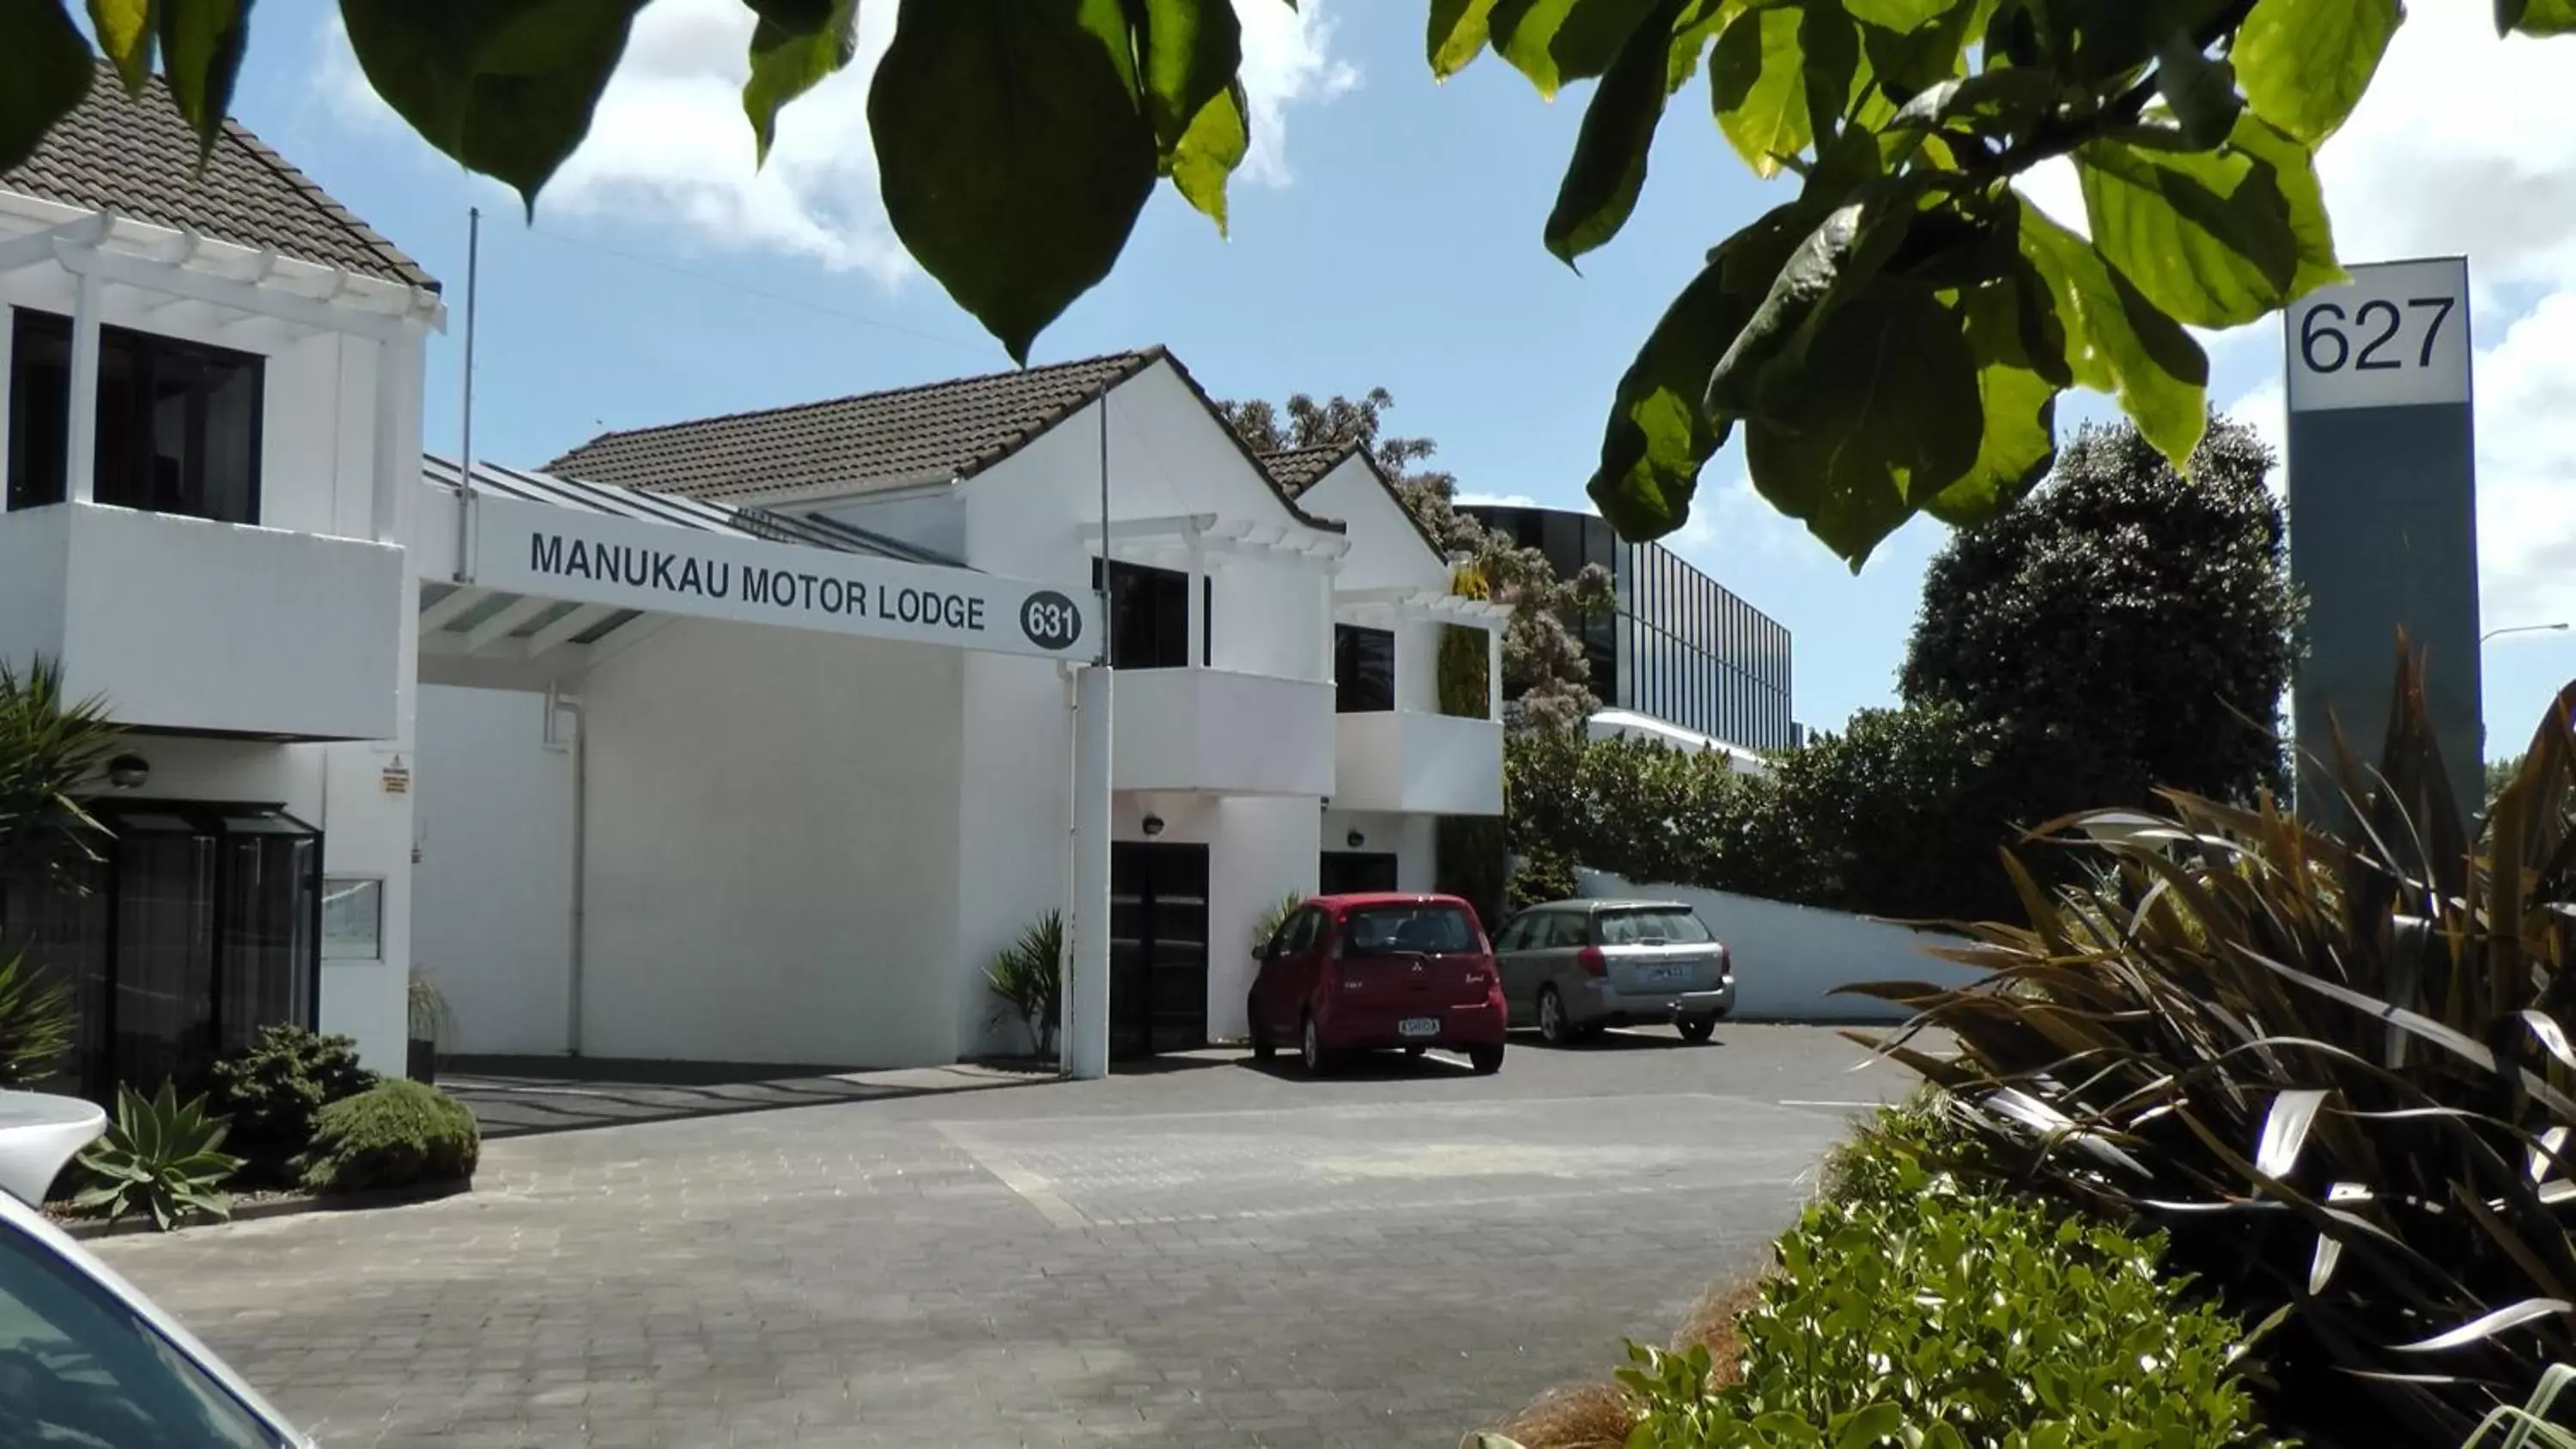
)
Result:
{"points": [[1944, 1316], [276, 1086], [395, 1134], [2333, 1069], [36, 1022], [160, 1156]]}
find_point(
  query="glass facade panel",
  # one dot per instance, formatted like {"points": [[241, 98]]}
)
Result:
{"points": [[178, 423]]}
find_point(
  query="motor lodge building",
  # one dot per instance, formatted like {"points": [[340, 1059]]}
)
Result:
{"points": [[749, 739]]}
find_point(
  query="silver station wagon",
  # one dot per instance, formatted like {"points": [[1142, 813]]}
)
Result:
{"points": [[1574, 969]]}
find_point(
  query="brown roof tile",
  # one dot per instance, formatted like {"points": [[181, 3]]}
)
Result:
{"points": [[1299, 469], [873, 441], [138, 157]]}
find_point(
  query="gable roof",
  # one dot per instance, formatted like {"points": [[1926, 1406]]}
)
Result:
{"points": [[877, 441], [138, 158], [1297, 469]]}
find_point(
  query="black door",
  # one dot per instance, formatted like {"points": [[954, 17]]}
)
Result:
{"points": [[1348, 872], [1158, 954]]}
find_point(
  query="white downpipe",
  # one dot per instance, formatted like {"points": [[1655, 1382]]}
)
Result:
{"points": [[1086, 1029], [465, 422]]}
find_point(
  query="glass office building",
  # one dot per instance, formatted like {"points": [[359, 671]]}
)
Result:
{"points": [[1678, 646]]}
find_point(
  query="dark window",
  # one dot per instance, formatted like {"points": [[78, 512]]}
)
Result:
{"points": [[1363, 669], [1377, 930], [1648, 926], [178, 424], [1149, 615]]}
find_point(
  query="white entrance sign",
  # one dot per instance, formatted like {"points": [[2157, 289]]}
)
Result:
{"points": [[549, 552], [2396, 335]]}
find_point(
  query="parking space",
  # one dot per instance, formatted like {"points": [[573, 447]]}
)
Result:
{"points": [[1205, 1253]]}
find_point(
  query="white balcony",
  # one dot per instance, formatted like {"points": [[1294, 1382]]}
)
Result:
{"points": [[219, 628], [1224, 733], [1432, 764]]}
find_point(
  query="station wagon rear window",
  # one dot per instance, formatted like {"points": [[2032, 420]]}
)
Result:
{"points": [[1378, 930], [1652, 926]]}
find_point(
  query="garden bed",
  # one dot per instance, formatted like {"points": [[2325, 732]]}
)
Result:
{"points": [[253, 1206]]}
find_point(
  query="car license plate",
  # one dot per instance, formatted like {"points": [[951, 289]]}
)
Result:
{"points": [[1418, 1026]]}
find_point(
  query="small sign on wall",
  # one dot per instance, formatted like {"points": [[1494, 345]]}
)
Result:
{"points": [[397, 777]]}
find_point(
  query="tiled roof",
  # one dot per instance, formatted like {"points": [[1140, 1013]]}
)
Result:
{"points": [[1299, 469], [875, 440], [138, 158]]}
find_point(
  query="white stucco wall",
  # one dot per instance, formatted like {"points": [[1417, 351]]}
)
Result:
{"points": [[1412, 839], [773, 867], [1789, 959], [493, 887], [1014, 747]]}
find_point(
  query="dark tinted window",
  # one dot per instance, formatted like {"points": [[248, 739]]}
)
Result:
{"points": [[1363, 669], [1149, 616], [1652, 925], [1376, 930], [178, 424]]}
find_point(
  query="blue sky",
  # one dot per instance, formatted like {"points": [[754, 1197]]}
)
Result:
{"points": [[1386, 234]]}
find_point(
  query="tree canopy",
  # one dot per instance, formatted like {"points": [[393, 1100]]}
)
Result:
{"points": [[1890, 340], [1545, 674], [2128, 628]]}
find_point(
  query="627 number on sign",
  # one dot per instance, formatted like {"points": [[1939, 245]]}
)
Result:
{"points": [[2326, 347]]}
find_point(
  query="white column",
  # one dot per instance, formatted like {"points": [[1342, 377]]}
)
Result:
{"points": [[1494, 671], [80, 471], [1197, 610], [1086, 987], [397, 390]]}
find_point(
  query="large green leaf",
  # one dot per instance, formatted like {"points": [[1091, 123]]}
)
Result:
{"points": [[1555, 41], [125, 36], [1014, 151], [201, 54], [1758, 84], [1609, 166], [2018, 437], [2115, 339], [2214, 238], [1457, 33], [2305, 63], [45, 70], [2536, 17], [1210, 149], [787, 61], [1192, 50], [1882, 416], [1840, 256], [1913, 44], [1659, 434], [506, 87]]}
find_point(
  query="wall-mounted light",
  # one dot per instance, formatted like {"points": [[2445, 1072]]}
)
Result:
{"points": [[1153, 826], [1355, 840], [129, 772]]}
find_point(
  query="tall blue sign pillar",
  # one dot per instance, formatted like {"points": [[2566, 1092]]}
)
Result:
{"points": [[2383, 513]]}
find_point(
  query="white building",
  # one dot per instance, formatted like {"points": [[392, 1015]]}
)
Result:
{"points": [[211, 433], [747, 740], [648, 835]]}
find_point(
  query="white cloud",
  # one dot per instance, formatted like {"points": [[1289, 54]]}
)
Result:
{"points": [[1497, 500], [669, 143]]}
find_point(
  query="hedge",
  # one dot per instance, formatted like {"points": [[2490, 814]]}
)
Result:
{"points": [[395, 1134]]}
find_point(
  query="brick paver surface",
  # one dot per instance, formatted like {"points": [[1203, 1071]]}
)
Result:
{"points": [[1202, 1255]]}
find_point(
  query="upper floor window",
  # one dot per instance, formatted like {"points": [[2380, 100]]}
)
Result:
{"points": [[1363, 670], [1149, 616], [178, 422]]}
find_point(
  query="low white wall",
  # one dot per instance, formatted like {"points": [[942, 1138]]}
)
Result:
{"points": [[1789, 959]]}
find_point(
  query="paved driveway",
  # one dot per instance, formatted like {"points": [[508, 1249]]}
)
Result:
{"points": [[1201, 1255]]}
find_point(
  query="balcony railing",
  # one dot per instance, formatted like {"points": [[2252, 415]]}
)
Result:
{"points": [[1432, 764], [1222, 732]]}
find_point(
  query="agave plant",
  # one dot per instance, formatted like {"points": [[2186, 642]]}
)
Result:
{"points": [[2336, 1071], [160, 1156]]}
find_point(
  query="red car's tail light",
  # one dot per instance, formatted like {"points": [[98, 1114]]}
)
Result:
{"points": [[1592, 961]]}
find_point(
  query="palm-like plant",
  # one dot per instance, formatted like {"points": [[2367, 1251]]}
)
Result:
{"points": [[2336, 1072], [1028, 975], [51, 748], [37, 1019], [160, 1156]]}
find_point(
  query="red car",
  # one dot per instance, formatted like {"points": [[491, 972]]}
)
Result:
{"points": [[1389, 970]]}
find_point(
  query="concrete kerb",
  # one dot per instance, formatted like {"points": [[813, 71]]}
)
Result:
{"points": [[277, 1207]]}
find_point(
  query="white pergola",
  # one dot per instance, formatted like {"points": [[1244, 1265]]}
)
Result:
{"points": [[1384, 608], [251, 295], [1193, 543]]}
